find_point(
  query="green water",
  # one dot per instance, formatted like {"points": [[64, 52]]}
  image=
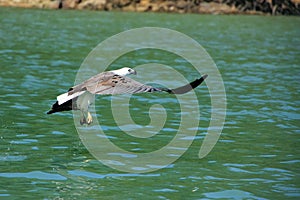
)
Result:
{"points": [[256, 157]]}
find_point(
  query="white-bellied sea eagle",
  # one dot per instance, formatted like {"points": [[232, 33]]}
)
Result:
{"points": [[80, 97]]}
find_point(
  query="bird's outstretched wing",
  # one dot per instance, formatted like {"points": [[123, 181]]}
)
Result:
{"points": [[114, 84]]}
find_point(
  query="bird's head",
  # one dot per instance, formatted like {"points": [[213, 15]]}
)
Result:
{"points": [[124, 71]]}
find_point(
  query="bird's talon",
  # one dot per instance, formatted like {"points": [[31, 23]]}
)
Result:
{"points": [[89, 118], [82, 121]]}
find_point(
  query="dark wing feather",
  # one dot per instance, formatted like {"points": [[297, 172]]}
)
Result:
{"points": [[186, 88]]}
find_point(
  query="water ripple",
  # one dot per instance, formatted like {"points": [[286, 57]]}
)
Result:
{"points": [[34, 175]]}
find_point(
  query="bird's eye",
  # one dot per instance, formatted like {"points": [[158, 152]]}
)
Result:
{"points": [[129, 70]]}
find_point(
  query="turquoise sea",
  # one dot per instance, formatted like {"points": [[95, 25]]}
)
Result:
{"points": [[256, 157]]}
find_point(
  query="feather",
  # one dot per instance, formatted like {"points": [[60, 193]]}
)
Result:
{"points": [[66, 97]]}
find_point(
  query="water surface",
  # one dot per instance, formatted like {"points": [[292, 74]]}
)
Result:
{"points": [[257, 156]]}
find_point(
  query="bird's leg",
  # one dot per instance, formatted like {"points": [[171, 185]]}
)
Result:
{"points": [[89, 118], [86, 119], [82, 119]]}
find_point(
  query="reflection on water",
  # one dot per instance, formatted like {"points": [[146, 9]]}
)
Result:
{"points": [[257, 156]]}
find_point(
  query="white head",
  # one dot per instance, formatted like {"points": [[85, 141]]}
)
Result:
{"points": [[124, 71]]}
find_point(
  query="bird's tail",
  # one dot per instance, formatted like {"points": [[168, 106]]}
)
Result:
{"points": [[186, 88], [69, 105]]}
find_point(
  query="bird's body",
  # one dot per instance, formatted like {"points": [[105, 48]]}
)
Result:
{"points": [[80, 96]]}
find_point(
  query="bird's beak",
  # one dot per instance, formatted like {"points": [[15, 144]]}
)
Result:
{"points": [[134, 72]]}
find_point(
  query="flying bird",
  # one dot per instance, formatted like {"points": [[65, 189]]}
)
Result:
{"points": [[81, 96]]}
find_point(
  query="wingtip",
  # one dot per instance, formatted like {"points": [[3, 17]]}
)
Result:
{"points": [[203, 77], [49, 112], [200, 80]]}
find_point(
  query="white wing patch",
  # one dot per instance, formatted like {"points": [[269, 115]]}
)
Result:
{"points": [[66, 97]]}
